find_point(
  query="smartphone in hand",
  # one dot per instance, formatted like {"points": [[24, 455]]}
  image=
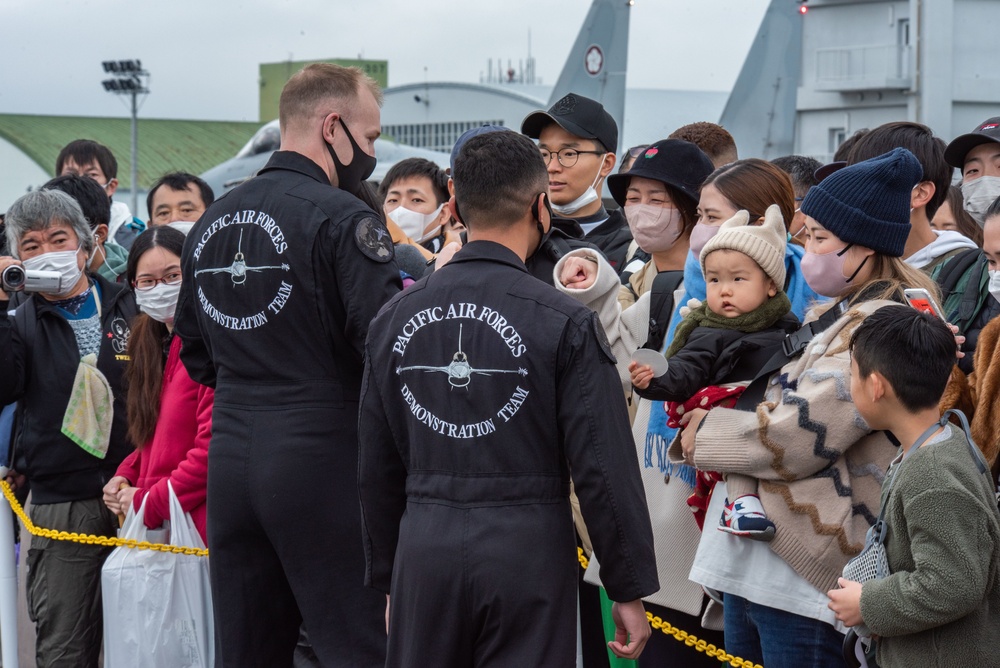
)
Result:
{"points": [[922, 300]]}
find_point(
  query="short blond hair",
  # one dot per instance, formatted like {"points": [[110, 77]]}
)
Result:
{"points": [[318, 83]]}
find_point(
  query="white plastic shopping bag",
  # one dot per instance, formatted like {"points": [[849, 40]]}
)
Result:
{"points": [[158, 605]]}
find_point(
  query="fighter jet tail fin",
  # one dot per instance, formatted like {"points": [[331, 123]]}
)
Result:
{"points": [[597, 62], [760, 112]]}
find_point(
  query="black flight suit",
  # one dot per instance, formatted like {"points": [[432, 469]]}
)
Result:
{"points": [[563, 237], [483, 389], [282, 277]]}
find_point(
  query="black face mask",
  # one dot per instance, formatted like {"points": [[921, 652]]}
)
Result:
{"points": [[362, 165], [537, 215]]}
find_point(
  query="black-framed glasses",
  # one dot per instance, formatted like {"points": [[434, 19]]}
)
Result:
{"points": [[567, 157], [145, 283]]}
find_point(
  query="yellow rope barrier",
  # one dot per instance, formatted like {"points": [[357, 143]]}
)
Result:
{"points": [[88, 539], [685, 637], [655, 622]]}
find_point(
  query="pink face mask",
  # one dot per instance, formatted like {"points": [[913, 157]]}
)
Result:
{"points": [[825, 272], [701, 235], [654, 228]]}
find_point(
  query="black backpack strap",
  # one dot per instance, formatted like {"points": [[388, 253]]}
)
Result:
{"points": [[557, 246], [955, 268], [793, 346], [26, 325], [972, 298], [661, 306], [637, 259]]}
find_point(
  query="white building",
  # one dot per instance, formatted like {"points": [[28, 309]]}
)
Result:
{"points": [[434, 115], [861, 63], [865, 63]]}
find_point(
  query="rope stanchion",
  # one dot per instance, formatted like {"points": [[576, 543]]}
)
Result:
{"points": [[87, 539], [685, 637], [657, 623]]}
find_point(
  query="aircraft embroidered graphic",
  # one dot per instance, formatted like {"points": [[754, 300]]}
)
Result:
{"points": [[238, 269], [459, 371]]}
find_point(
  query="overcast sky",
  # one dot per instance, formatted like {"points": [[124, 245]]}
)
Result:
{"points": [[203, 55]]}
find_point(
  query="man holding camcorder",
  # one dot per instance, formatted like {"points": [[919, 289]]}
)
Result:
{"points": [[63, 352]]}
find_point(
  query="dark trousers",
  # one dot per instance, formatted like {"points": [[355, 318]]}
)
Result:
{"points": [[488, 587], [284, 531], [64, 584], [593, 646]]}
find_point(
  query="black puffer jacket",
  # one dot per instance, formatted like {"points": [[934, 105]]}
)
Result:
{"points": [[715, 356]]}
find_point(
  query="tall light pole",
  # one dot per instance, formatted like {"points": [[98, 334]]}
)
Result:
{"points": [[129, 79]]}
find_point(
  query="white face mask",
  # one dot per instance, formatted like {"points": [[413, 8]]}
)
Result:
{"points": [[66, 263], [589, 195], [181, 226], [414, 224], [994, 284], [979, 195], [93, 255], [159, 302]]}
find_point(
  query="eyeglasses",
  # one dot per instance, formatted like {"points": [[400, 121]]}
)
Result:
{"points": [[144, 284], [567, 157]]}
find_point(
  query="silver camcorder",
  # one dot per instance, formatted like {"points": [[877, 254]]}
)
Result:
{"points": [[15, 278]]}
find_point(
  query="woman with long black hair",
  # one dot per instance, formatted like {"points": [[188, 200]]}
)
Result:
{"points": [[169, 415]]}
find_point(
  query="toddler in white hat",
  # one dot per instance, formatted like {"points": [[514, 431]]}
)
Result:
{"points": [[719, 347]]}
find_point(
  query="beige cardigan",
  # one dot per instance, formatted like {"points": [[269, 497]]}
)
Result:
{"points": [[819, 465]]}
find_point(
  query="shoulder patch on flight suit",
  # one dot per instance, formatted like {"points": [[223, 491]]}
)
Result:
{"points": [[373, 239], [602, 339]]}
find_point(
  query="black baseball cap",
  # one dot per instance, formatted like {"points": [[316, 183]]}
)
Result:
{"points": [[985, 133], [577, 115], [829, 168], [675, 162]]}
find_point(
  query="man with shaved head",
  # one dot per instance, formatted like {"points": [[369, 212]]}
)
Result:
{"points": [[282, 277], [477, 410]]}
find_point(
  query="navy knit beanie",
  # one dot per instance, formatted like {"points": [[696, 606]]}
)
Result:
{"points": [[868, 203]]}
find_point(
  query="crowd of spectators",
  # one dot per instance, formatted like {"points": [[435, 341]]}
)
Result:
{"points": [[751, 318]]}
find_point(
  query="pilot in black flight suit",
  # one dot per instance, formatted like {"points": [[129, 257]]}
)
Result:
{"points": [[485, 390], [282, 277]]}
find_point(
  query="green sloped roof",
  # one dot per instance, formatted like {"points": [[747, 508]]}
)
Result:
{"points": [[164, 145]]}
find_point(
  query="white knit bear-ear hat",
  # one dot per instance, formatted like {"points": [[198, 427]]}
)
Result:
{"points": [[764, 244]]}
